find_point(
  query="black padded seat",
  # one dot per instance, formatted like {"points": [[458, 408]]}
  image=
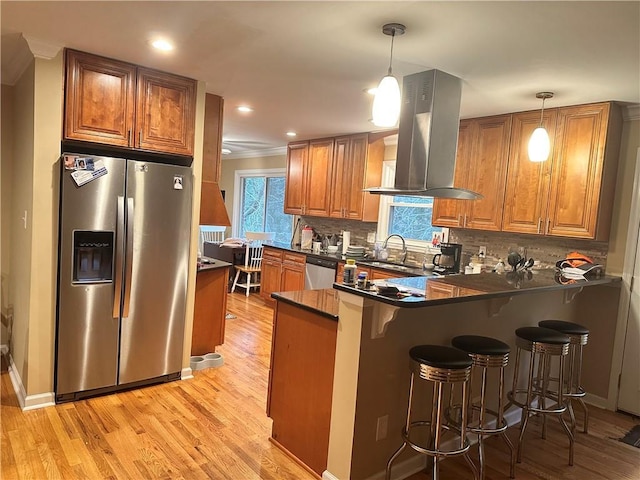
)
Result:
{"points": [[568, 328], [542, 335], [439, 356], [476, 344]]}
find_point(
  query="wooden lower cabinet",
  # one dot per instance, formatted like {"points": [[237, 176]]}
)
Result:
{"points": [[301, 383], [282, 271], [210, 309]]}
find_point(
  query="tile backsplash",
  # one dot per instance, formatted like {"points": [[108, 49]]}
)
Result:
{"points": [[547, 250]]}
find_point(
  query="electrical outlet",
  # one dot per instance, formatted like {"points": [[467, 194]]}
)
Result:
{"points": [[381, 427], [371, 237], [482, 251]]}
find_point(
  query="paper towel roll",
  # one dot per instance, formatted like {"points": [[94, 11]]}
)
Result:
{"points": [[346, 237]]}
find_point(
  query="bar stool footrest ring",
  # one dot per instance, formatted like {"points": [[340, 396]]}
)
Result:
{"points": [[431, 452]]}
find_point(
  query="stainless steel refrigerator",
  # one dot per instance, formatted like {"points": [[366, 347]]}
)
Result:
{"points": [[122, 276]]}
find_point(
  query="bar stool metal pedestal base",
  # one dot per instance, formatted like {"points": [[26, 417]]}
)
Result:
{"points": [[440, 365]]}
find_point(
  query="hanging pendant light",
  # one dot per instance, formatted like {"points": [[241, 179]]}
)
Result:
{"points": [[386, 104], [539, 143]]}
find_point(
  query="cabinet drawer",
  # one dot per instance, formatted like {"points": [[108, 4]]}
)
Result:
{"points": [[294, 258], [271, 254]]}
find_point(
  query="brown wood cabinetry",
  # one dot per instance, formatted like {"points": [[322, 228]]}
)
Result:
{"points": [[372, 273], [571, 194], [481, 166], [449, 212], [116, 103], [527, 191], [301, 383], [357, 164], [326, 177], [210, 308], [308, 178], [282, 271]]}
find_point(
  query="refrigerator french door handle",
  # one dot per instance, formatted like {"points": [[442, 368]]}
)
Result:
{"points": [[117, 294], [128, 259]]}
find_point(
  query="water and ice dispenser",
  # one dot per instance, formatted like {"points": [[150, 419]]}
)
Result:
{"points": [[93, 256]]}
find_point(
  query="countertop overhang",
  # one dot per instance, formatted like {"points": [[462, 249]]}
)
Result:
{"points": [[416, 292], [211, 264]]}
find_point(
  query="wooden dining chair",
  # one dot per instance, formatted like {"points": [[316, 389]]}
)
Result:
{"points": [[252, 261], [211, 234]]}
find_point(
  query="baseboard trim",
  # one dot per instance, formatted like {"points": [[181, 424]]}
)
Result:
{"points": [[27, 402], [597, 401], [186, 374]]}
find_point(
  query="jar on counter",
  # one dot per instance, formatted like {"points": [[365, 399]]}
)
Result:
{"points": [[349, 275], [362, 282]]}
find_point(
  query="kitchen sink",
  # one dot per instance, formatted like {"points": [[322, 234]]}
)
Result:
{"points": [[389, 266]]}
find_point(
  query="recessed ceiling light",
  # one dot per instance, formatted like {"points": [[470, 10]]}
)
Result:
{"points": [[245, 109], [162, 44], [226, 151], [291, 134]]}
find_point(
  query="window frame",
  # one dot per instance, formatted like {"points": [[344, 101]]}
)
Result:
{"points": [[237, 192], [384, 214]]}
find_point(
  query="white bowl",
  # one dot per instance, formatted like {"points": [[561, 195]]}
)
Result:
{"points": [[428, 267], [332, 248]]}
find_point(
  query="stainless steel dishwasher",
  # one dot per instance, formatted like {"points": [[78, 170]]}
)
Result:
{"points": [[320, 272]]}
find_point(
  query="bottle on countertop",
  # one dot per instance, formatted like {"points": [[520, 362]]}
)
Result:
{"points": [[499, 268], [349, 275], [362, 282]]}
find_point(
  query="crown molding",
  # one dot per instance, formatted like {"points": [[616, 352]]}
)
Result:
{"points": [[41, 48], [28, 49], [631, 112], [267, 152]]}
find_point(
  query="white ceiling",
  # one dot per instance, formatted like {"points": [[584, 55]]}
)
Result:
{"points": [[304, 65]]}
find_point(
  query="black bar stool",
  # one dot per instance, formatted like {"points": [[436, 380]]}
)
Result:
{"points": [[440, 365], [578, 337], [485, 353], [544, 344]]}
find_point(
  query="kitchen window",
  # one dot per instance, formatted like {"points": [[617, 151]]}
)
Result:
{"points": [[407, 216], [259, 204]]}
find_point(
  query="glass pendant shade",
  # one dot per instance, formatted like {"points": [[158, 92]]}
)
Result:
{"points": [[539, 145], [386, 104]]}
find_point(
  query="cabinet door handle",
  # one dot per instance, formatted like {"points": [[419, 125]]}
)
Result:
{"points": [[460, 220], [539, 223], [129, 137], [548, 226], [140, 138], [465, 220]]}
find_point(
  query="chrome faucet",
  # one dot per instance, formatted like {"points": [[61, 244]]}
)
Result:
{"points": [[403, 255]]}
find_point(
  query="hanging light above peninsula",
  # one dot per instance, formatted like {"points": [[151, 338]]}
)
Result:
{"points": [[539, 143], [386, 104]]}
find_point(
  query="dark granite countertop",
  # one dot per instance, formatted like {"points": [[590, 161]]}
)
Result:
{"points": [[323, 302], [427, 291], [405, 269], [213, 263]]}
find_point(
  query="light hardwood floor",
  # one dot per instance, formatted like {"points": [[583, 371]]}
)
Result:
{"points": [[215, 427]]}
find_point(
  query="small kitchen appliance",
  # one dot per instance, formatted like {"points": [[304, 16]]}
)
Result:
{"points": [[447, 262]]}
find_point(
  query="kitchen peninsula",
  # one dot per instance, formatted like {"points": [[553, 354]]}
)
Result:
{"points": [[374, 333]]}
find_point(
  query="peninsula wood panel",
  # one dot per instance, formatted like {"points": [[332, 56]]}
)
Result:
{"points": [[297, 155], [99, 99], [449, 212], [488, 171], [527, 189], [165, 116], [301, 383], [210, 308]]}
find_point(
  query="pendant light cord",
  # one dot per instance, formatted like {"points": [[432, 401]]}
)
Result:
{"points": [[393, 34], [542, 111]]}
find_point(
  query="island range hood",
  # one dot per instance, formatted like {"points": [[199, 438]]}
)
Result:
{"points": [[428, 138]]}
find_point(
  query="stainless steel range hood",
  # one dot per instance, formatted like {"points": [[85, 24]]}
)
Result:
{"points": [[428, 137]]}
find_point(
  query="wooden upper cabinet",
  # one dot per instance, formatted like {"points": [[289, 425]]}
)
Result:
{"points": [[318, 178], [340, 178], [120, 104], [584, 171], [488, 171], [348, 179], [449, 212], [297, 156], [165, 118], [527, 190], [99, 99], [481, 166]]}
